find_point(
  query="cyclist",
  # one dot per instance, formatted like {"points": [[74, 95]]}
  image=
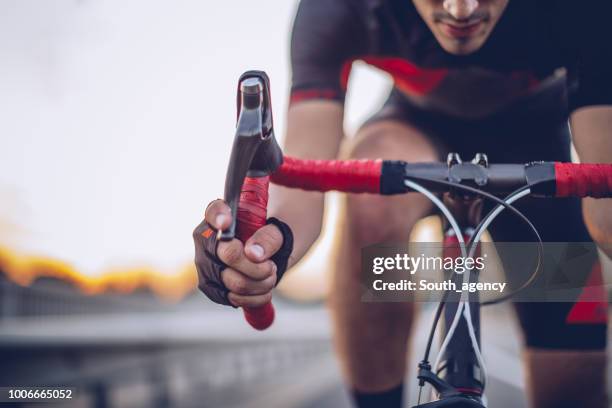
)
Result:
{"points": [[497, 76]]}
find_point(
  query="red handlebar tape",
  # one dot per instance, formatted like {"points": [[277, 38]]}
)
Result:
{"points": [[252, 214], [350, 176], [252, 207], [378, 177], [583, 180], [386, 177]]}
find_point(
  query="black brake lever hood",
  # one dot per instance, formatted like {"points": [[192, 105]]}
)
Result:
{"points": [[255, 151]]}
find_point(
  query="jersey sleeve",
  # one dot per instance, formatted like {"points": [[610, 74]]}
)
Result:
{"points": [[327, 36], [591, 65]]}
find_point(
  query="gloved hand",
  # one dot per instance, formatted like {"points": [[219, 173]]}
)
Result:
{"points": [[237, 274]]}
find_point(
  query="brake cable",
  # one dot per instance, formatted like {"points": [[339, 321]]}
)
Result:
{"points": [[463, 307], [501, 202], [485, 222]]}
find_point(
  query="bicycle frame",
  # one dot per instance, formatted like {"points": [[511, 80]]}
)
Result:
{"points": [[460, 386]]}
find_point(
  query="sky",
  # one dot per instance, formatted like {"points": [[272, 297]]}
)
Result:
{"points": [[117, 118]]}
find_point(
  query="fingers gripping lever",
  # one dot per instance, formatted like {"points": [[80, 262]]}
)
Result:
{"points": [[255, 155]]}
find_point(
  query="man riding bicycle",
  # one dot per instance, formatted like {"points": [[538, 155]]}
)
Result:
{"points": [[498, 76]]}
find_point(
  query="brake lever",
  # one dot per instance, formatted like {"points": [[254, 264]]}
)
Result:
{"points": [[255, 155], [255, 151]]}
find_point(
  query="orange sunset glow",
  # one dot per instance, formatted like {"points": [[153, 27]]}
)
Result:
{"points": [[25, 269]]}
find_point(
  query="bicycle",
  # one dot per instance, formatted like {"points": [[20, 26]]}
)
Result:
{"points": [[256, 159]]}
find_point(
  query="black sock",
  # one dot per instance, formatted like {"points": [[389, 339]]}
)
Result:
{"points": [[383, 399]]}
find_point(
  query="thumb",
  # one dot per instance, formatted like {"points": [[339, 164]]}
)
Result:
{"points": [[264, 243]]}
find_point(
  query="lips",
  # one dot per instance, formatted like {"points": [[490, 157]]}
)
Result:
{"points": [[462, 30]]}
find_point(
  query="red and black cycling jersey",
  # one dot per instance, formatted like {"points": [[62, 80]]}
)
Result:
{"points": [[536, 44]]}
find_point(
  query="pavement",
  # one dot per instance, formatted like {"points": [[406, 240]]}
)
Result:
{"points": [[211, 358]]}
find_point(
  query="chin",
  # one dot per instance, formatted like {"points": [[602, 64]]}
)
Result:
{"points": [[459, 49], [462, 47]]}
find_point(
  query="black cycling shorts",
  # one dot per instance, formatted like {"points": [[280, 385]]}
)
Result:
{"points": [[525, 132]]}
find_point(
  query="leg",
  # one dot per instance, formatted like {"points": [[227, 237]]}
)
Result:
{"points": [[564, 338], [564, 356], [578, 379], [372, 338], [569, 341]]}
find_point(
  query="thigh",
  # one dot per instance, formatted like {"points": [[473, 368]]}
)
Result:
{"points": [[572, 324]]}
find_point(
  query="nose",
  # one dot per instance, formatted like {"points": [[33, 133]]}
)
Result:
{"points": [[460, 9]]}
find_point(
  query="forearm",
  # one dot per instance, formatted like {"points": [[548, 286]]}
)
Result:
{"points": [[592, 135], [314, 131], [303, 212]]}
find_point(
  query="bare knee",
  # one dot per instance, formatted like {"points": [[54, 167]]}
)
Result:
{"points": [[392, 140], [374, 219]]}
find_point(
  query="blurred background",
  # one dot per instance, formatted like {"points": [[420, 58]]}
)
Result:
{"points": [[116, 121]]}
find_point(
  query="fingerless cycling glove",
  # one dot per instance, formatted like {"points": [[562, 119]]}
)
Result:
{"points": [[209, 266]]}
